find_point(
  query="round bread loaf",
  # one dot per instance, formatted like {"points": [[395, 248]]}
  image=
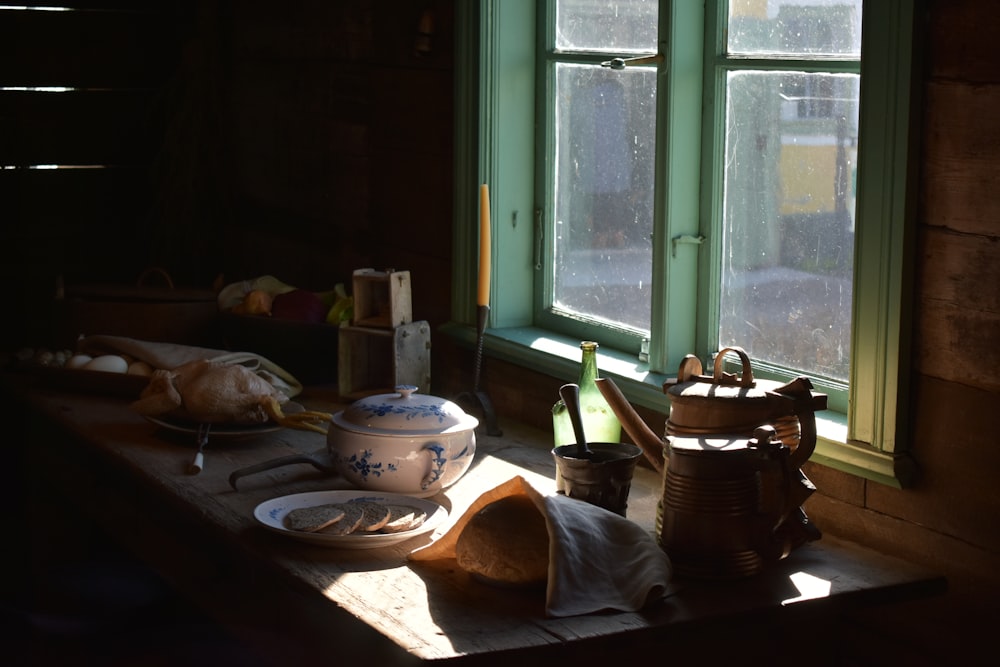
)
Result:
{"points": [[506, 543]]}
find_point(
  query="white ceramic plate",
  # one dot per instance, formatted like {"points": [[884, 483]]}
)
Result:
{"points": [[271, 515]]}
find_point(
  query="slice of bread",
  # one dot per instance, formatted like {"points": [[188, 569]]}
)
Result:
{"points": [[354, 514], [403, 517], [312, 519], [375, 516]]}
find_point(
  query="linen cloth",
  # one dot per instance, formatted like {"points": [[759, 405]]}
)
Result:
{"points": [[168, 356], [598, 560]]}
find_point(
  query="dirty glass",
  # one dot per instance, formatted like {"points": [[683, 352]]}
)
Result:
{"points": [[795, 28], [623, 26], [791, 141], [604, 128]]}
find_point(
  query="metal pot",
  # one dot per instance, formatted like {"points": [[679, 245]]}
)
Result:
{"points": [[404, 442]]}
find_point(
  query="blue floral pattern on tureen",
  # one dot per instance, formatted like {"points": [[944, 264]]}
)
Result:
{"points": [[364, 467], [408, 411]]}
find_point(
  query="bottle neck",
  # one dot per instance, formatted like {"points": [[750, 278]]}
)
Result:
{"points": [[588, 365]]}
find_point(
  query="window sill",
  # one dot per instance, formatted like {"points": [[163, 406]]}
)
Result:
{"points": [[559, 356]]}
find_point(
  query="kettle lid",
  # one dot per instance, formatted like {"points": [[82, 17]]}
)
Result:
{"points": [[691, 381], [691, 385]]}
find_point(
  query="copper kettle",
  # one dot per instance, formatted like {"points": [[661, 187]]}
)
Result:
{"points": [[730, 459]]}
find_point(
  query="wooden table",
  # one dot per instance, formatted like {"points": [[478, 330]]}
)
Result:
{"points": [[307, 604]]}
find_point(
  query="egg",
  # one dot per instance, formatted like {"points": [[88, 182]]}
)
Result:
{"points": [[107, 363], [78, 361]]}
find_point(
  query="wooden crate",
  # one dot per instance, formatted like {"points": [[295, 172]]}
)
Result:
{"points": [[373, 361], [382, 299]]}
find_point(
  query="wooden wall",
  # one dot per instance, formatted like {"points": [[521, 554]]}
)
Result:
{"points": [[237, 138], [87, 221], [341, 142]]}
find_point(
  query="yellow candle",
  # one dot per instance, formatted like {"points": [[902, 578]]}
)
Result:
{"points": [[484, 246]]}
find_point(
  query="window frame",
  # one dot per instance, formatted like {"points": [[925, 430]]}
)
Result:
{"points": [[496, 106]]}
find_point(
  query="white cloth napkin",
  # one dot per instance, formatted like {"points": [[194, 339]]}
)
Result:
{"points": [[168, 356], [598, 560]]}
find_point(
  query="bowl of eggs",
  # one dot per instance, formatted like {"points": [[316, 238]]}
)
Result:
{"points": [[104, 373]]}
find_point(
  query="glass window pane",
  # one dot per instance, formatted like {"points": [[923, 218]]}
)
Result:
{"points": [[603, 212], [617, 26], [788, 233], [800, 28]]}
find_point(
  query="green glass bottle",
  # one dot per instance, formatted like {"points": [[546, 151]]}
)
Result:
{"points": [[599, 421]]}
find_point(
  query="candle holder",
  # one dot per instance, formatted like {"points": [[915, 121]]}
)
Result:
{"points": [[477, 396]]}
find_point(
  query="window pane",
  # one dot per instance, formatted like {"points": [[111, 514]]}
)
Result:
{"points": [[795, 27], [603, 206], [788, 233], [619, 26]]}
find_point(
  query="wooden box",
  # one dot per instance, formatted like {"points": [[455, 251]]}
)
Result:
{"points": [[374, 361], [160, 313], [382, 299]]}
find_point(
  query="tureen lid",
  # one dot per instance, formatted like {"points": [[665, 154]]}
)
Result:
{"points": [[404, 412]]}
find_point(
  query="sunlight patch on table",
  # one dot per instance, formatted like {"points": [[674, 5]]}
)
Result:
{"points": [[810, 587]]}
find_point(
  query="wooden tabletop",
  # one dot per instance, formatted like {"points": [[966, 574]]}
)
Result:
{"points": [[309, 604]]}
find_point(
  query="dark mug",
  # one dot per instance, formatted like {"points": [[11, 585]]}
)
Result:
{"points": [[604, 479]]}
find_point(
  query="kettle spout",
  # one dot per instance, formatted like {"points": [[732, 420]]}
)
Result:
{"points": [[641, 434]]}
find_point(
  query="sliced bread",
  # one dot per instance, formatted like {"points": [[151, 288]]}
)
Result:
{"points": [[354, 514], [375, 516], [312, 519], [403, 517]]}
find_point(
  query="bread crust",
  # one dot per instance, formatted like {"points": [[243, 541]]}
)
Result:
{"points": [[375, 515], [354, 514], [402, 518]]}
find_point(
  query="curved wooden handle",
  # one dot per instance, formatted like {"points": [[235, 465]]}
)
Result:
{"points": [[641, 434], [721, 377]]}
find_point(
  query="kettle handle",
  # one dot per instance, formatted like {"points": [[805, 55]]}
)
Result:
{"points": [[765, 439], [721, 377]]}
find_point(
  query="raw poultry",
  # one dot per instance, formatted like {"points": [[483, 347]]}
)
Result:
{"points": [[208, 392]]}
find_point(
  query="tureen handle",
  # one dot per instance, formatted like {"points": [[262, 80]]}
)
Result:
{"points": [[405, 390], [436, 452]]}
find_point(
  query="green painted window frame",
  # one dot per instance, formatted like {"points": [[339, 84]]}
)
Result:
{"points": [[497, 60]]}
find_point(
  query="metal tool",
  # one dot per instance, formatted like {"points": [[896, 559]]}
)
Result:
{"points": [[319, 460], [199, 459]]}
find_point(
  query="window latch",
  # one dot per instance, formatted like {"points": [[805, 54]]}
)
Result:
{"points": [[539, 239], [644, 351], [622, 63], [686, 239]]}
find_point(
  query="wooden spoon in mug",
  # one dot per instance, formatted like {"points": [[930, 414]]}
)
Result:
{"points": [[570, 394]]}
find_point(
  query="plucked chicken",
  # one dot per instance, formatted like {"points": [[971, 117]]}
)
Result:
{"points": [[209, 393]]}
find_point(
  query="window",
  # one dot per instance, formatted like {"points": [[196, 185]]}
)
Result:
{"points": [[745, 178]]}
